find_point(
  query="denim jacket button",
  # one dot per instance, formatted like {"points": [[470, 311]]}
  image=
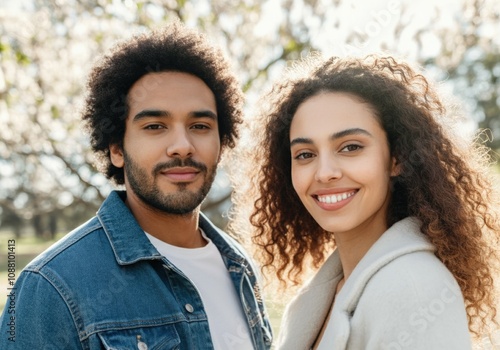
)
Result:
{"points": [[140, 344], [189, 308]]}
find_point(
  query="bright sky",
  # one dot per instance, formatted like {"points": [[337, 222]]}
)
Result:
{"points": [[373, 20]]}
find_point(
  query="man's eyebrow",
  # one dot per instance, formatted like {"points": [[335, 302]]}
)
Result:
{"points": [[333, 137], [151, 113], [204, 114]]}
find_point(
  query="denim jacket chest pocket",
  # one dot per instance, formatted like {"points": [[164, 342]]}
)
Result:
{"points": [[146, 338]]}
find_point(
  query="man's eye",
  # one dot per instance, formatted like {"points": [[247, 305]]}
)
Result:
{"points": [[154, 127], [201, 126]]}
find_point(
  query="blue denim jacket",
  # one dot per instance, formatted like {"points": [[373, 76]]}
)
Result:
{"points": [[105, 286]]}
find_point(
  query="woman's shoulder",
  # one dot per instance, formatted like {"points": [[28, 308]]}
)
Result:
{"points": [[404, 260], [414, 300], [417, 274], [416, 289]]}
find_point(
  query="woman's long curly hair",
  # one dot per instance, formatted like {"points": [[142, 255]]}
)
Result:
{"points": [[445, 185]]}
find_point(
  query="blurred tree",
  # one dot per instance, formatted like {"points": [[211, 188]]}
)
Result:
{"points": [[48, 46], [470, 59], [46, 49], [43, 155]]}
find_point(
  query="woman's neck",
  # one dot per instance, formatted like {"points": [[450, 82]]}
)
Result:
{"points": [[353, 245]]}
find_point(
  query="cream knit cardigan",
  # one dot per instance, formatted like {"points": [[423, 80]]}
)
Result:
{"points": [[399, 296]]}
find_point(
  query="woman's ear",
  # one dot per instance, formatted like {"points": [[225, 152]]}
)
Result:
{"points": [[116, 155], [395, 167]]}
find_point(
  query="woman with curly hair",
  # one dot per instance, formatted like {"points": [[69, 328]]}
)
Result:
{"points": [[353, 157]]}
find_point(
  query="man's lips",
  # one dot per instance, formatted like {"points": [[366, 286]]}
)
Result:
{"points": [[181, 174]]}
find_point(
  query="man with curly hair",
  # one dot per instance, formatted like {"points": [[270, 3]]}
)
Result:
{"points": [[149, 271]]}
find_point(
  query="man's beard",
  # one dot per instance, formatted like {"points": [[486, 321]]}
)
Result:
{"points": [[181, 202]]}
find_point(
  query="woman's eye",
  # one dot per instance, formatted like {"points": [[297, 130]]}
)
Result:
{"points": [[351, 148], [304, 155]]}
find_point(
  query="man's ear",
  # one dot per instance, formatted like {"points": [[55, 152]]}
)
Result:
{"points": [[116, 155], [395, 167]]}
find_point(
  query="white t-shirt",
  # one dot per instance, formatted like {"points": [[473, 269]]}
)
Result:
{"points": [[207, 271]]}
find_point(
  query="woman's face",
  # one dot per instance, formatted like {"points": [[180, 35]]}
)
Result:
{"points": [[341, 163]]}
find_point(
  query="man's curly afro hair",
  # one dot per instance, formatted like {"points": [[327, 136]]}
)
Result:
{"points": [[173, 48]]}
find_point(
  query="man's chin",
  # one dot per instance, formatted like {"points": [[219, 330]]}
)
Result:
{"points": [[174, 206]]}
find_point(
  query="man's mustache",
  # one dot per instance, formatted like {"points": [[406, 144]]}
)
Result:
{"points": [[177, 162]]}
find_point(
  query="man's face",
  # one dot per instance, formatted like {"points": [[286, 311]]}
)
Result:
{"points": [[171, 145]]}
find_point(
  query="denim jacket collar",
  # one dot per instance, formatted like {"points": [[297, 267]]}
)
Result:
{"points": [[127, 238], [130, 244]]}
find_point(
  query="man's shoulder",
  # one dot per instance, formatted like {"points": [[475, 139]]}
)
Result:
{"points": [[75, 244]]}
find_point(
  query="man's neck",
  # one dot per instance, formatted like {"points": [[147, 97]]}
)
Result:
{"points": [[178, 230]]}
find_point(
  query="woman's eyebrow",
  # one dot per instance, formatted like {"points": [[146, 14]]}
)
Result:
{"points": [[333, 137], [348, 132]]}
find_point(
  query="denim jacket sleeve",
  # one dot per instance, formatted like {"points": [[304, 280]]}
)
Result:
{"points": [[39, 317]]}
